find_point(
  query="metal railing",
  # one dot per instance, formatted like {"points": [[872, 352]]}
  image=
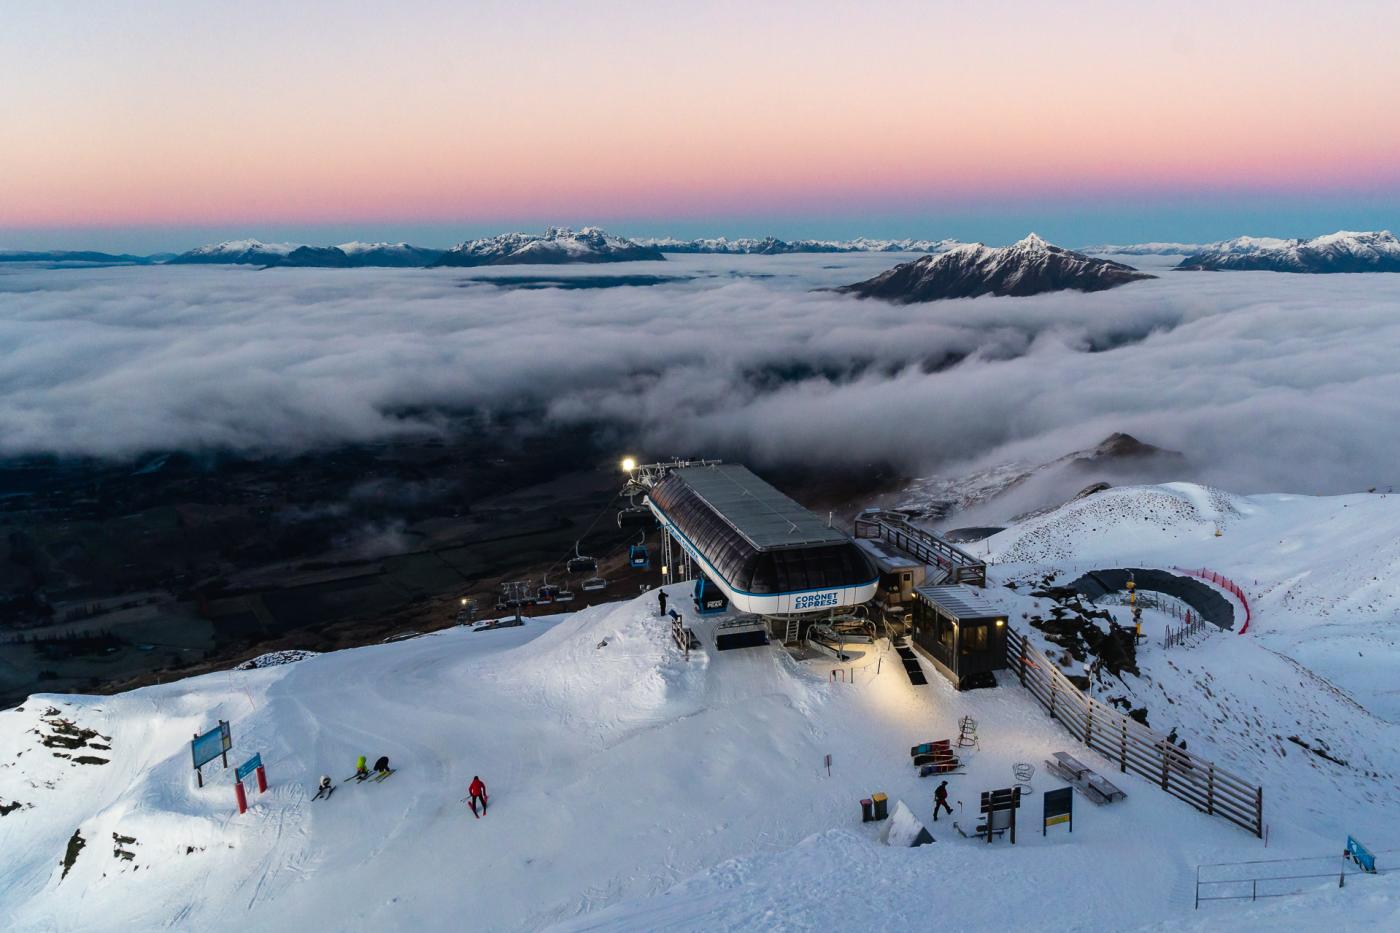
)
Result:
{"points": [[958, 566], [1265, 878]]}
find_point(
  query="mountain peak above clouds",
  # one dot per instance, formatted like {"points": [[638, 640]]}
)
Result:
{"points": [[1030, 266]]}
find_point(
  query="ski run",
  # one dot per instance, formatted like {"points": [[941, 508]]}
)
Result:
{"points": [[633, 788]]}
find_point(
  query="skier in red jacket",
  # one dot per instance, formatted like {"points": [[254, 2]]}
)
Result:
{"points": [[477, 792]]}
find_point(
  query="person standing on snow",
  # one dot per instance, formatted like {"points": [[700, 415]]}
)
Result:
{"points": [[477, 791], [361, 770], [661, 600], [382, 765], [940, 799]]}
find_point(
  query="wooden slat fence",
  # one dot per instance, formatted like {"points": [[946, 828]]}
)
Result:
{"points": [[1136, 748]]}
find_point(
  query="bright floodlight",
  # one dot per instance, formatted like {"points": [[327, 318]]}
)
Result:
{"points": [[629, 464]]}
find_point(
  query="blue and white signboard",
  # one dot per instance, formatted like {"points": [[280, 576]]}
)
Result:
{"points": [[1361, 855], [211, 744], [248, 767]]}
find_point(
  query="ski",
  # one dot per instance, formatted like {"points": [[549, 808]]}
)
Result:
{"points": [[324, 792], [379, 778]]}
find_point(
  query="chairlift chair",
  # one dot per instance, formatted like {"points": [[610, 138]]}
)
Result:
{"points": [[564, 596], [594, 583], [547, 593], [581, 563], [633, 515]]}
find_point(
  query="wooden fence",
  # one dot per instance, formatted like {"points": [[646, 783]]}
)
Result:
{"points": [[1135, 748]]}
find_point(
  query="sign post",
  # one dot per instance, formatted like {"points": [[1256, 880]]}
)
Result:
{"points": [[213, 744], [1362, 856], [1059, 808], [253, 765]]}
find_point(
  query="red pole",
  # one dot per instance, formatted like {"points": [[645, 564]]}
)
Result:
{"points": [[262, 780], [242, 797]]}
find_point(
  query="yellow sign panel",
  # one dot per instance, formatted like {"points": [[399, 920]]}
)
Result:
{"points": [[1052, 820]]}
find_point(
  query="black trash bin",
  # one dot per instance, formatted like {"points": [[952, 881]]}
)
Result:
{"points": [[867, 811], [882, 806]]}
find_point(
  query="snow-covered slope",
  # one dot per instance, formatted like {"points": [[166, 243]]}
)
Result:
{"points": [[634, 789], [1344, 251], [1005, 491], [556, 246], [1028, 267], [1323, 573]]}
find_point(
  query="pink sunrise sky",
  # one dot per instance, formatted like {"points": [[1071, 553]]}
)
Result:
{"points": [[172, 113]]}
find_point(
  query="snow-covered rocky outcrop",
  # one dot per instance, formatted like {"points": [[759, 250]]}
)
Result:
{"points": [[1344, 251], [1028, 267], [555, 246]]}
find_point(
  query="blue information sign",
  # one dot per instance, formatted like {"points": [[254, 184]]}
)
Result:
{"points": [[1361, 855], [211, 744], [248, 767]]}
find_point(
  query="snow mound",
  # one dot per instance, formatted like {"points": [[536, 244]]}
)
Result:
{"points": [[274, 658], [1127, 514], [904, 831]]}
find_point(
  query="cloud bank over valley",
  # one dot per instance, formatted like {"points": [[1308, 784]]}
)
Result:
{"points": [[1264, 380]]}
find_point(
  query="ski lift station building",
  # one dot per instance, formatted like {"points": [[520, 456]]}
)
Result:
{"points": [[769, 555]]}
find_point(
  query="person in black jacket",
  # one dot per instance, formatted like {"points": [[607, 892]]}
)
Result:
{"points": [[940, 799], [661, 600], [382, 765]]}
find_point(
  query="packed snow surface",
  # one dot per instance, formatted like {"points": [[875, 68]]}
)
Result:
{"points": [[632, 788]]}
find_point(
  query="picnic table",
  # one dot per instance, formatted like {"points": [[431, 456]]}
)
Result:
{"points": [[1083, 778]]}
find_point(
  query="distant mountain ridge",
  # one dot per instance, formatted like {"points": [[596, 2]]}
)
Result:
{"points": [[558, 245], [345, 256], [773, 246], [1144, 249], [1028, 267], [78, 256], [1342, 252]]}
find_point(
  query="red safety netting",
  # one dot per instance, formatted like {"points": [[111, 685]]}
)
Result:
{"points": [[1226, 584]]}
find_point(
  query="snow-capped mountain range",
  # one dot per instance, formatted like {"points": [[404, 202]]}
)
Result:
{"points": [[344, 256], [1343, 251], [236, 252], [1028, 267], [1144, 249], [773, 246]]}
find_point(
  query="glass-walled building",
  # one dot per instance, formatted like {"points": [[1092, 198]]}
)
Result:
{"points": [[961, 632]]}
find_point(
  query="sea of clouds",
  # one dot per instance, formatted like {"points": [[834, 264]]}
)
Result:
{"points": [[1265, 381]]}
